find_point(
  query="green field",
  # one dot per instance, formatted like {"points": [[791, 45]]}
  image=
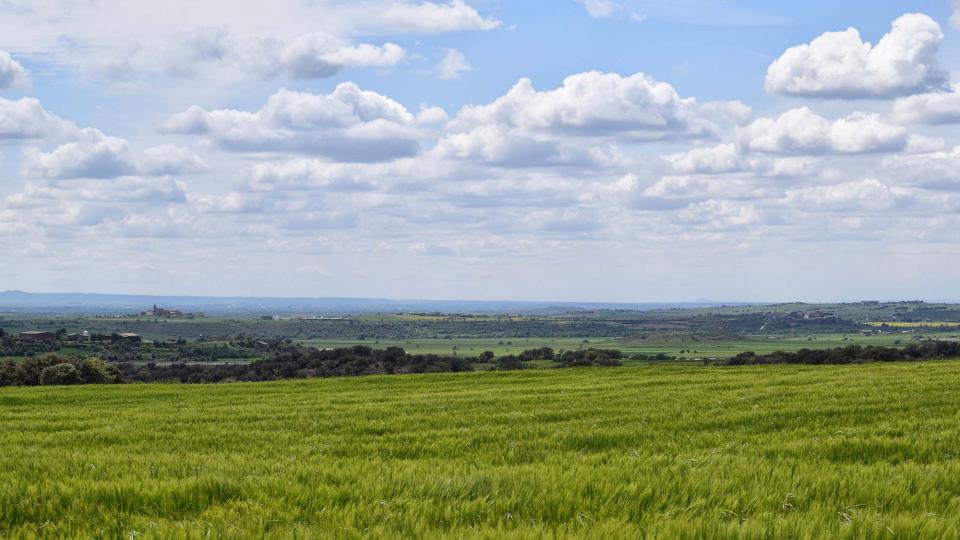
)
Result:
{"points": [[666, 451], [685, 347], [465, 346]]}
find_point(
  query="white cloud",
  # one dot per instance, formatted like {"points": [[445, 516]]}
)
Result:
{"points": [[99, 190], [348, 124], [669, 192], [720, 214], [218, 39], [584, 121], [431, 17], [25, 118], [801, 131], [499, 144], [169, 159], [321, 55], [842, 65], [722, 158], [95, 155], [955, 16], [12, 74], [604, 9], [218, 54], [431, 115], [868, 195], [600, 9], [453, 65], [595, 103], [934, 170], [932, 108], [306, 174]]}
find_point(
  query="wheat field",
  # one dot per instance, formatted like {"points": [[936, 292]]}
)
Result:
{"points": [[664, 451]]}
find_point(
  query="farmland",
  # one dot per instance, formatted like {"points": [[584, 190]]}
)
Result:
{"points": [[658, 451], [686, 334], [683, 347]]}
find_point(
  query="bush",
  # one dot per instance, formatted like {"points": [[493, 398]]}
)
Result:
{"points": [[96, 371], [543, 353], [11, 373], [590, 357], [508, 363], [59, 374]]}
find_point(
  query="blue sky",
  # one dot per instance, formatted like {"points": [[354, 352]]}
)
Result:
{"points": [[571, 150]]}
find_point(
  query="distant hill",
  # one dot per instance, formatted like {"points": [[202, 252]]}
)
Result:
{"points": [[82, 303]]}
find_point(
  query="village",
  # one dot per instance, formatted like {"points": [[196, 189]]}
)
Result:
{"points": [[49, 336]]}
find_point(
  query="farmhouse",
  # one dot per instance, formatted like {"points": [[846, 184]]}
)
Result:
{"points": [[129, 337], [38, 336]]}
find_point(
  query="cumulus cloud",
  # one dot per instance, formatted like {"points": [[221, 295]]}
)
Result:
{"points": [[723, 158], [668, 193], [932, 108], [98, 190], [306, 174], [95, 155], [600, 9], [501, 145], [66, 209], [349, 124], [604, 9], [721, 214], [431, 115], [219, 54], [801, 131], [287, 37], [868, 195], [842, 65], [527, 126], [12, 74], [595, 103], [25, 118], [168, 159], [934, 170], [321, 55], [453, 65], [430, 17]]}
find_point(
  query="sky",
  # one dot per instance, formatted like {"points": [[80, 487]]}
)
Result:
{"points": [[580, 150]]}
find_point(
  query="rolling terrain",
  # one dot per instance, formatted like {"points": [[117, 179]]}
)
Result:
{"points": [[667, 451]]}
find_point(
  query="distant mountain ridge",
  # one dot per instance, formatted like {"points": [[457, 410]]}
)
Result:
{"points": [[87, 303]]}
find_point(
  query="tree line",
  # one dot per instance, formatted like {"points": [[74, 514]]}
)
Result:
{"points": [[853, 354], [289, 363]]}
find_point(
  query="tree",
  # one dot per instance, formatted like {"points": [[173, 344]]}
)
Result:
{"points": [[96, 371], [60, 374], [11, 374], [509, 362]]}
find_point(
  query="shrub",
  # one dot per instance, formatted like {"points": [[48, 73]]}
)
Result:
{"points": [[11, 374], [590, 357], [508, 363], [96, 371], [60, 374]]}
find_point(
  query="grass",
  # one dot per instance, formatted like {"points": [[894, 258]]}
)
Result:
{"points": [[684, 347], [670, 451], [915, 324]]}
